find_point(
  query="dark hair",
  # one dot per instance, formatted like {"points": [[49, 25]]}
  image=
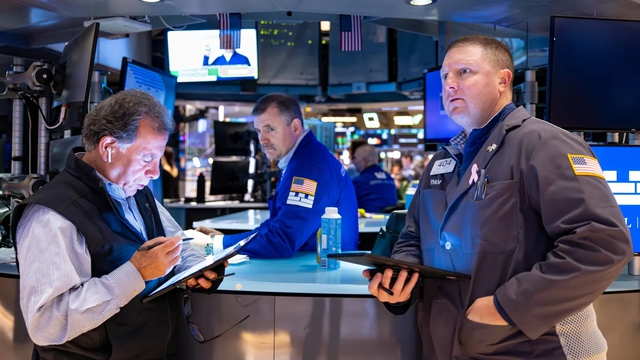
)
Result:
{"points": [[495, 49], [119, 116], [355, 144], [288, 107]]}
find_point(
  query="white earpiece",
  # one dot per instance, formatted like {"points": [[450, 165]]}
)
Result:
{"points": [[109, 155]]}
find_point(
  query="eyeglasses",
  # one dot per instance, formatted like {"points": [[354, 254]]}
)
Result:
{"points": [[195, 330]]}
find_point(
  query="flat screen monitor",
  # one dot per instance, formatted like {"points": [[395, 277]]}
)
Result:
{"points": [[229, 177], [622, 171], [73, 77], [233, 138], [195, 55], [160, 84], [438, 127], [582, 92]]}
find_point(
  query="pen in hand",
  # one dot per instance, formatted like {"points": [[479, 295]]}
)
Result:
{"points": [[149, 247]]}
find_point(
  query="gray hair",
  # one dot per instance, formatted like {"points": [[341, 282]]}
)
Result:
{"points": [[288, 107], [119, 116], [369, 153]]}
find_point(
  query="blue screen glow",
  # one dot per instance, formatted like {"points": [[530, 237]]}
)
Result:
{"points": [[439, 128], [622, 170]]}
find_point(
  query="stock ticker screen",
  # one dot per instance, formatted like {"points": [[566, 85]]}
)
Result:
{"points": [[622, 171]]}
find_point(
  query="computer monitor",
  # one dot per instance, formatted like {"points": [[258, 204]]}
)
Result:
{"points": [[622, 171], [582, 92], [160, 84], [438, 127], [233, 138], [229, 177], [72, 80]]}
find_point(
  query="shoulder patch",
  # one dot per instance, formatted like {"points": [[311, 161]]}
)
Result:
{"points": [[302, 192], [303, 185], [583, 165]]}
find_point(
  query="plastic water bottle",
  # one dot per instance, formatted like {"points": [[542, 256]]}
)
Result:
{"points": [[331, 237]]}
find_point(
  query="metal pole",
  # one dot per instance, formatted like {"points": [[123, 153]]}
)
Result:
{"points": [[43, 135], [530, 91], [17, 125]]}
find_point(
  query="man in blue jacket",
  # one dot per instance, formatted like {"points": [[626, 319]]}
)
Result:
{"points": [[375, 188], [311, 179]]}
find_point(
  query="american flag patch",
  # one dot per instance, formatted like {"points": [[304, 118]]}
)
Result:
{"points": [[585, 165], [303, 185]]}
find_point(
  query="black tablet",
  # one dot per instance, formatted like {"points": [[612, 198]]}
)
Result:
{"points": [[377, 261], [198, 269]]}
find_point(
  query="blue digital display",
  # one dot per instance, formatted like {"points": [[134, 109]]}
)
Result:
{"points": [[622, 171], [439, 128], [159, 84]]}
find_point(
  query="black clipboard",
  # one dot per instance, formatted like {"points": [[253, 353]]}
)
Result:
{"points": [[377, 261], [198, 269]]}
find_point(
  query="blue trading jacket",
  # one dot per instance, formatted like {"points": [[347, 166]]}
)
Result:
{"points": [[375, 189], [313, 180]]}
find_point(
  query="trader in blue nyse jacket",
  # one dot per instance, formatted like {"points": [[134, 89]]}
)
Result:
{"points": [[375, 188], [523, 208], [311, 179]]}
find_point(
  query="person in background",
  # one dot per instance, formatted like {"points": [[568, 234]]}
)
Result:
{"points": [[522, 207], [399, 180], [408, 167], [353, 146], [82, 277], [375, 188], [170, 180], [311, 179]]}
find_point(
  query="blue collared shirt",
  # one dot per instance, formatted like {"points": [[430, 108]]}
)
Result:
{"points": [[471, 145]]}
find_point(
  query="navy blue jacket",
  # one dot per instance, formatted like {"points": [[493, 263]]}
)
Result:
{"points": [[313, 180], [375, 189]]}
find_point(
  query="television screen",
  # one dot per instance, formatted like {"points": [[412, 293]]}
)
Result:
{"points": [[229, 177], [195, 55], [582, 92], [623, 175], [438, 127], [160, 84]]}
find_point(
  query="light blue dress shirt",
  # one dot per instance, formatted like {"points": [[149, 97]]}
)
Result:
{"points": [[59, 298]]}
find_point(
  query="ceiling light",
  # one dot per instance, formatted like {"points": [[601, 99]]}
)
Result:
{"points": [[152, 1], [420, 2]]}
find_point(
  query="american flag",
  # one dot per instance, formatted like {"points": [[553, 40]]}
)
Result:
{"points": [[230, 26], [586, 165], [350, 33], [304, 186]]}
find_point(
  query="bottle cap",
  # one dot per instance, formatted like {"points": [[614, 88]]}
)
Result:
{"points": [[330, 210]]}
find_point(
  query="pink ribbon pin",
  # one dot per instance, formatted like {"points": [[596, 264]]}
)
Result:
{"points": [[474, 174]]}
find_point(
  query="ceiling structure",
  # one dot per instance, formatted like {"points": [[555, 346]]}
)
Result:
{"points": [[36, 23], [26, 22]]}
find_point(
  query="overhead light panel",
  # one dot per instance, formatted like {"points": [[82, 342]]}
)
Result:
{"points": [[152, 1], [420, 2]]}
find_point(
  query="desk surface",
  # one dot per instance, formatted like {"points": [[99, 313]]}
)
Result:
{"points": [[301, 275], [250, 219], [228, 204]]}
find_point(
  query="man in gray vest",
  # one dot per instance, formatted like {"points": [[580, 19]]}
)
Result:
{"points": [[82, 276]]}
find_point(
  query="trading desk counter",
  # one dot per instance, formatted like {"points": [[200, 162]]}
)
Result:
{"points": [[296, 310], [186, 213]]}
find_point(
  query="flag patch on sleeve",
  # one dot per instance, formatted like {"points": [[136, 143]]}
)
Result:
{"points": [[583, 165], [302, 192], [303, 185]]}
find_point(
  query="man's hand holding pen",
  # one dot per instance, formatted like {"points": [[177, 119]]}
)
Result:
{"points": [[162, 255], [400, 292]]}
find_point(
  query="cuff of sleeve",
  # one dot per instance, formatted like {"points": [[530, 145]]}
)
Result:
{"points": [[218, 244], [128, 281], [501, 311]]}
